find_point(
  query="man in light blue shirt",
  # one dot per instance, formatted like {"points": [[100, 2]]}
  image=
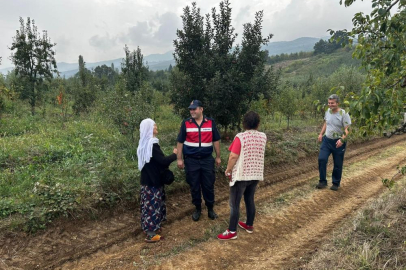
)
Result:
{"points": [[335, 128]]}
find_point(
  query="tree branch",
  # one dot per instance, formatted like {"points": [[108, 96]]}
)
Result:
{"points": [[391, 6]]}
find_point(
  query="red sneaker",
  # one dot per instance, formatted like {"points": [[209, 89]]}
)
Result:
{"points": [[248, 229], [227, 235]]}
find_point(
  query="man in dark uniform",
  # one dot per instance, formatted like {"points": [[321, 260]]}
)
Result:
{"points": [[197, 137]]}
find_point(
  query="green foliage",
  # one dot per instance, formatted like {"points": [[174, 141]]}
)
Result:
{"points": [[34, 59], [209, 68], [389, 183], [106, 75], [287, 102], [340, 39], [160, 79], [84, 96], [133, 69], [85, 88], [127, 109], [380, 47]]}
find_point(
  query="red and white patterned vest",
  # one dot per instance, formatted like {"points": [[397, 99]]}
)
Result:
{"points": [[250, 163]]}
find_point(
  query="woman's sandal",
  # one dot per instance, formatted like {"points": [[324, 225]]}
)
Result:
{"points": [[153, 239]]}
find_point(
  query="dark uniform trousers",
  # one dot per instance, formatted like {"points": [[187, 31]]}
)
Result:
{"points": [[200, 176]]}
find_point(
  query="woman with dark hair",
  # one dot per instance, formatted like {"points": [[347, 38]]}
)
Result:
{"points": [[245, 169], [152, 162]]}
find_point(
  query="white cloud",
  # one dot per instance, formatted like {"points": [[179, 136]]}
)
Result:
{"points": [[99, 29], [103, 43]]}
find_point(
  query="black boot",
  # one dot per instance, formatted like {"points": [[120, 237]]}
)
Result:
{"points": [[196, 214], [211, 214]]}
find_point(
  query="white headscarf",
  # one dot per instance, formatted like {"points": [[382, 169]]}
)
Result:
{"points": [[147, 139]]}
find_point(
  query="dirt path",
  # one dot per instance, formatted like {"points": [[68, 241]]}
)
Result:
{"points": [[278, 242]]}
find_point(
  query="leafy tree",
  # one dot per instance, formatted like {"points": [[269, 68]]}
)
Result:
{"points": [[127, 109], [193, 57], [133, 69], [381, 42], [287, 102], [34, 59], [85, 89], [106, 74], [210, 68], [83, 72], [160, 80]]}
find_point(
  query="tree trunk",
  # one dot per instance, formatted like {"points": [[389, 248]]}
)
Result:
{"points": [[33, 99]]}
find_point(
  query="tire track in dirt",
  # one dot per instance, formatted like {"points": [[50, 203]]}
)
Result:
{"points": [[64, 246], [295, 232]]}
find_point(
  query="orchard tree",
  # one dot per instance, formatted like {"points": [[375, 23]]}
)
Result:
{"points": [[287, 102], [133, 69], [83, 73], [34, 58], [85, 89], [106, 73], [257, 79], [194, 62], [225, 77], [381, 47]]}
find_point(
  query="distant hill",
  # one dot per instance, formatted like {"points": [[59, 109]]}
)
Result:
{"points": [[304, 44], [162, 61]]}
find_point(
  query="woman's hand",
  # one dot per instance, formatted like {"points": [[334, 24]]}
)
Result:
{"points": [[175, 151], [228, 174]]}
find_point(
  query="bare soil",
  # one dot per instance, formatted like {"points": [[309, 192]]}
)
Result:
{"points": [[281, 240]]}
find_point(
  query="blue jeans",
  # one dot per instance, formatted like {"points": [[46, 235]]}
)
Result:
{"points": [[240, 188], [328, 146]]}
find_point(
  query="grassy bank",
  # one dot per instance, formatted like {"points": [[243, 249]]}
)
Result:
{"points": [[375, 239]]}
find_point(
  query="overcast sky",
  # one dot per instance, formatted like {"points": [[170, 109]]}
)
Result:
{"points": [[99, 29]]}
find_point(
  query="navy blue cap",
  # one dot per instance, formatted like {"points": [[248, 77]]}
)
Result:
{"points": [[195, 103]]}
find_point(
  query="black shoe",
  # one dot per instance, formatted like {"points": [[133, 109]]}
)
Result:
{"points": [[196, 214], [211, 214], [334, 187], [321, 185]]}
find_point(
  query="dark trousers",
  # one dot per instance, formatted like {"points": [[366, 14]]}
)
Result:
{"points": [[240, 188], [201, 177], [328, 146]]}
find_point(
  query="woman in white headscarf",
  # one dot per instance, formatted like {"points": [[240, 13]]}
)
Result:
{"points": [[151, 162]]}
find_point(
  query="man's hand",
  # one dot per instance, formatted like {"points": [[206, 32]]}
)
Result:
{"points": [[320, 138], [218, 161], [181, 165]]}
